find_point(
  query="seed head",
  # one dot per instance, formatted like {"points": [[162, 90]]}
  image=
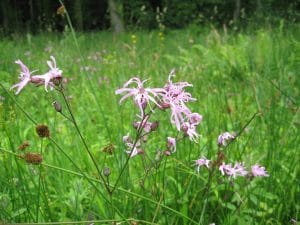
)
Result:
{"points": [[42, 131], [33, 158], [24, 145], [109, 149]]}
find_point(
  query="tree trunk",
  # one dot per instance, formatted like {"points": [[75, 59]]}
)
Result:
{"points": [[115, 18], [237, 11]]}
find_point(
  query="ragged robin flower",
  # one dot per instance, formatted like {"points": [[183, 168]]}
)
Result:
{"points": [[142, 96]]}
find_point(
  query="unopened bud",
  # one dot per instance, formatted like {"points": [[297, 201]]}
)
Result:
{"points": [[167, 153], [57, 106], [165, 105], [106, 171], [135, 124], [154, 126]]}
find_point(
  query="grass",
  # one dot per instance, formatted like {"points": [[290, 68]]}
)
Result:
{"points": [[234, 76]]}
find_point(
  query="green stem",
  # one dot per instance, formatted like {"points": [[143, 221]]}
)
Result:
{"points": [[83, 141], [39, 186]]}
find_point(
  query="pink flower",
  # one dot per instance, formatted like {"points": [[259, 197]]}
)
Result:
{"points": [[201, 162], [190, 130], [237, 170], [141, 96], [171, 144], [176, 98], [50, 76], [259, 171], [133, 149], [24, 77], [224, 137], [194, 118]]}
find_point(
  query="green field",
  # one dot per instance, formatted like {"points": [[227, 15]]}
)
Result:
{"points": [[245, 82]]}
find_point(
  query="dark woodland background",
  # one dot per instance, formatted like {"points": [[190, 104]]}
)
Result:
{"points": [[17, 16]]}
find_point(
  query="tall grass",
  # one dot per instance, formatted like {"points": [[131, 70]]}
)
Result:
{"points": [[235, 75]]}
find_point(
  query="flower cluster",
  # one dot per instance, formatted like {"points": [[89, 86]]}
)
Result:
{"points": [[50, 78], [224, 138], [233, 171], [175, 97], [172, 95], [227, 169]]}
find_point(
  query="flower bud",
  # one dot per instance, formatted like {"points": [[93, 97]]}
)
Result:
{"points": [[57, 106], [165, 105], [106, 171], [154, 126]]}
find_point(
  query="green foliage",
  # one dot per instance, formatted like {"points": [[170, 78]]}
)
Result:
{"points": [[234, 76]]}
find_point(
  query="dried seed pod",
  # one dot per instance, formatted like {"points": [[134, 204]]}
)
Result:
{"points": [[42, 130], [33, 158], [24, 145], [109, 149]]}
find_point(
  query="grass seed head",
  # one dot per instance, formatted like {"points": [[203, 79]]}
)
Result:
{"points": [[33, 158], [42, 131], [24, 145]]}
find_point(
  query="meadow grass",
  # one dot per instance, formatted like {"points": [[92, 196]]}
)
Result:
{"points": [[235, 76]]}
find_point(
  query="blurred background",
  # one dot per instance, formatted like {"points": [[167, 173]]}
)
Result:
{"points": [[34, 16]]}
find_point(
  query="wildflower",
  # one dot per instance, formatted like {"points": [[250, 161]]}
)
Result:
{"points": [[24, 77], [134, 149], [190, 130], [258, 171], [51, 77], [237, 170], [42, 130], [171, 144], [201, 162], [194, 118], [225, 137], [141, 96]]}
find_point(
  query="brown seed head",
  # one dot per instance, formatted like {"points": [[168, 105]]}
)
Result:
{"points": [[109, 149], [42, 131], [33, 158], [61, 10], [24, 145]]}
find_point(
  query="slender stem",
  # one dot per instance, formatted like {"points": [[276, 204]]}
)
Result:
{"points": [[39, 187], [66, 155], [128, 192], [137, 138], [212, 172], [83, 141]]}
